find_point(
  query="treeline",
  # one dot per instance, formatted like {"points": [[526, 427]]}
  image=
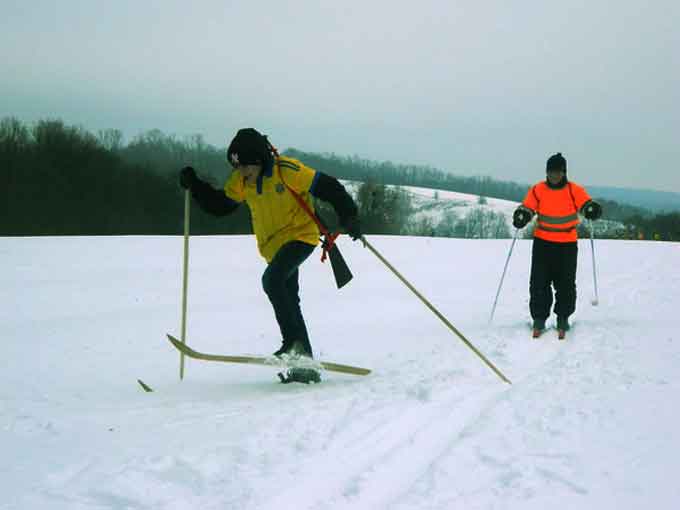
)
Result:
{"points": [[385, 172], [637, 222], [355, 168], [661, 227], [57, 179], [62, 180]]}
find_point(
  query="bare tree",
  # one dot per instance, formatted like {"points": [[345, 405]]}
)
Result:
{"points": [[110, 139]]}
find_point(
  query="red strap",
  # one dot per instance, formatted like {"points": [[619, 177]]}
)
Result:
{"points": [[329, 240]]}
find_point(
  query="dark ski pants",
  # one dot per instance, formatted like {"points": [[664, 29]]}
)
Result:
{"points": [[280, 283], [552, 264]]}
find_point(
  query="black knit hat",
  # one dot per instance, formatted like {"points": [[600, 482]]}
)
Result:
{"points": [[556, 162], [249, 147]]}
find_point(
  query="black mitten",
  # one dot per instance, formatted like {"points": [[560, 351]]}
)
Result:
{"points": [[521, 217], [592, 210], [187, 177], [352, 226]]}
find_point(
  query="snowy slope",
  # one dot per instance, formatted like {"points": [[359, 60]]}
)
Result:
{"points": [[435, 205], [588, 423], [440, 208]]}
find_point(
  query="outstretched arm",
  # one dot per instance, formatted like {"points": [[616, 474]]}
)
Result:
{"points": [[211, 200]]}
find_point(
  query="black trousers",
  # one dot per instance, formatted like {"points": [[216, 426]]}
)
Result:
{"points": [[280, 283], [552, 264]]}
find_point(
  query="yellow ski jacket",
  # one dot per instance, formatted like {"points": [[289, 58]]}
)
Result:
{"points": [[276, 216]]}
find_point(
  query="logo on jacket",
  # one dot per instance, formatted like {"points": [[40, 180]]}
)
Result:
{"points": [[279, 188]]}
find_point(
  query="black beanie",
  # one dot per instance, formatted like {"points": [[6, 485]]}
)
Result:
{"points": [[249, 147], [556, 162]]}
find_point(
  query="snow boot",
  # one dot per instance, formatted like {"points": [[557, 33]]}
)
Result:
{"points": [[294, 349], [282, 350]]}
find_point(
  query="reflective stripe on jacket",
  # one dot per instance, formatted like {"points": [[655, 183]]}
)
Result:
{"points": [[557, 210], [276, 216]]}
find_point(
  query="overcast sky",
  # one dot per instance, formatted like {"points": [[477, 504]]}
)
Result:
{"points": [[475, 87]]}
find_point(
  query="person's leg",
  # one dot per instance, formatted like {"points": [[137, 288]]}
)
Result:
{"points": [[540, 293], [280, 283], [299, 326], [565, 281]]}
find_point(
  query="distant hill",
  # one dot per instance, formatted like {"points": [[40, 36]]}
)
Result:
{"points": [[445, 213], [655, 201], [358, 169]]}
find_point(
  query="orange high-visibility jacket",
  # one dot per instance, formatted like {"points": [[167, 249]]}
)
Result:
{"points": [[557, 210]]}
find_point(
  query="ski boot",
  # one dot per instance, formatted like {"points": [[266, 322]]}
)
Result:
{"points": [[298, 356], [562, 327], [301, 375], [538, 328]]}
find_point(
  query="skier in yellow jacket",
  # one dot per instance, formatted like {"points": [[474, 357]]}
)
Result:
{"points": [[557, 202], [286, 234]]}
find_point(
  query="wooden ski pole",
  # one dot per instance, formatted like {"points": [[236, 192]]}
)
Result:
{"points": [[435, 311], [185, 278]]}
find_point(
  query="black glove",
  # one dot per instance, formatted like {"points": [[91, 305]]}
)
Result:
{"points": [[352, 226], [521, 217], [592, 210], [187, 177]]}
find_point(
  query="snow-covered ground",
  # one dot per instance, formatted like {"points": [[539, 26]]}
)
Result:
{"points": [[426, 196], [587, 423]]}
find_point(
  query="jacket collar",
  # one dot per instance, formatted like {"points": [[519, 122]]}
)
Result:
{"points": [[559, 185], [267, 171]]}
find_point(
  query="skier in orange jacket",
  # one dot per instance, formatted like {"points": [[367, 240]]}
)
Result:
{"points": [[557, 202]]}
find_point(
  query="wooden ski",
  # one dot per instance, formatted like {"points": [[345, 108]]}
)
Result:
{"points": [[271, 361]]}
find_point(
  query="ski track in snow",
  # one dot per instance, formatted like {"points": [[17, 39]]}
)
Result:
{"points": [[586, 423]]}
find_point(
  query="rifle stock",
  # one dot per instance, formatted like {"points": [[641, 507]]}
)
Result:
{"points": [[341, 271]]}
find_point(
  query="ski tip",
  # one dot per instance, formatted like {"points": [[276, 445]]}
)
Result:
{"points": [[177, 343], [144, 386]]}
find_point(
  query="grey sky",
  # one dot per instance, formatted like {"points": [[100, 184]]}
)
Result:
{"points": [[475, 87]]}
